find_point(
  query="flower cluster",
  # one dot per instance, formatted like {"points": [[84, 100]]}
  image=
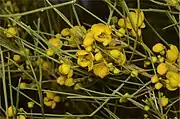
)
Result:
{"points": [[66, 75], [134, 23], [51, 99], [93, 57], [167, 67]]}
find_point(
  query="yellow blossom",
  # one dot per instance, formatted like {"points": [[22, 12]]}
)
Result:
{"points": [[85, 59], [164, 101], [115, 53], [48, 103], [136, 20], [102, 33], [172, 53], [70, 74], [173, 78], [154, 79], [21, 117], [89, 48], [101, 70], [120, 32], [162, 68], [53, 105], [133, 33], [57, 99], [157, 48], [30, 104], [89, 39], [61, 80], [10, 32], [56, 42], [169, 87], [98, 56], [121, 23], [11, 111], [64, 68], [16, 58], [69, 82], [116, 71], [121, 59], [22, 85], [65, 32], [50, 52], [158, 85], [50, 95]]}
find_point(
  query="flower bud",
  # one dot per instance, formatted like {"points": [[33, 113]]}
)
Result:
{"points": [[158, 47], [162, 68]]}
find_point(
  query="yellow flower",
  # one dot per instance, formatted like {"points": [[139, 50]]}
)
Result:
{"points": [[61, 80], [158, 85], [64, 68], [48, 103], [50, 95], [69, 82], [101, 70], [89, 48], [115, 53], [11, 111], [50, 52], [85, 59], [157, 48], [65, 32], [56, 42], [21, 117], [170, 88], [22, 85], [98, 56], [121, 23], [57, 99], [102, 33], [53, 105], [16, 58], [89, 39], [154, 79], [133, 33], [121, 59], [172, 53], [135, 18], [173, 78], [162, 68], [30, 104], [70, 74], [164, 101], [116, 71], [10, 32], [120, 32]]}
